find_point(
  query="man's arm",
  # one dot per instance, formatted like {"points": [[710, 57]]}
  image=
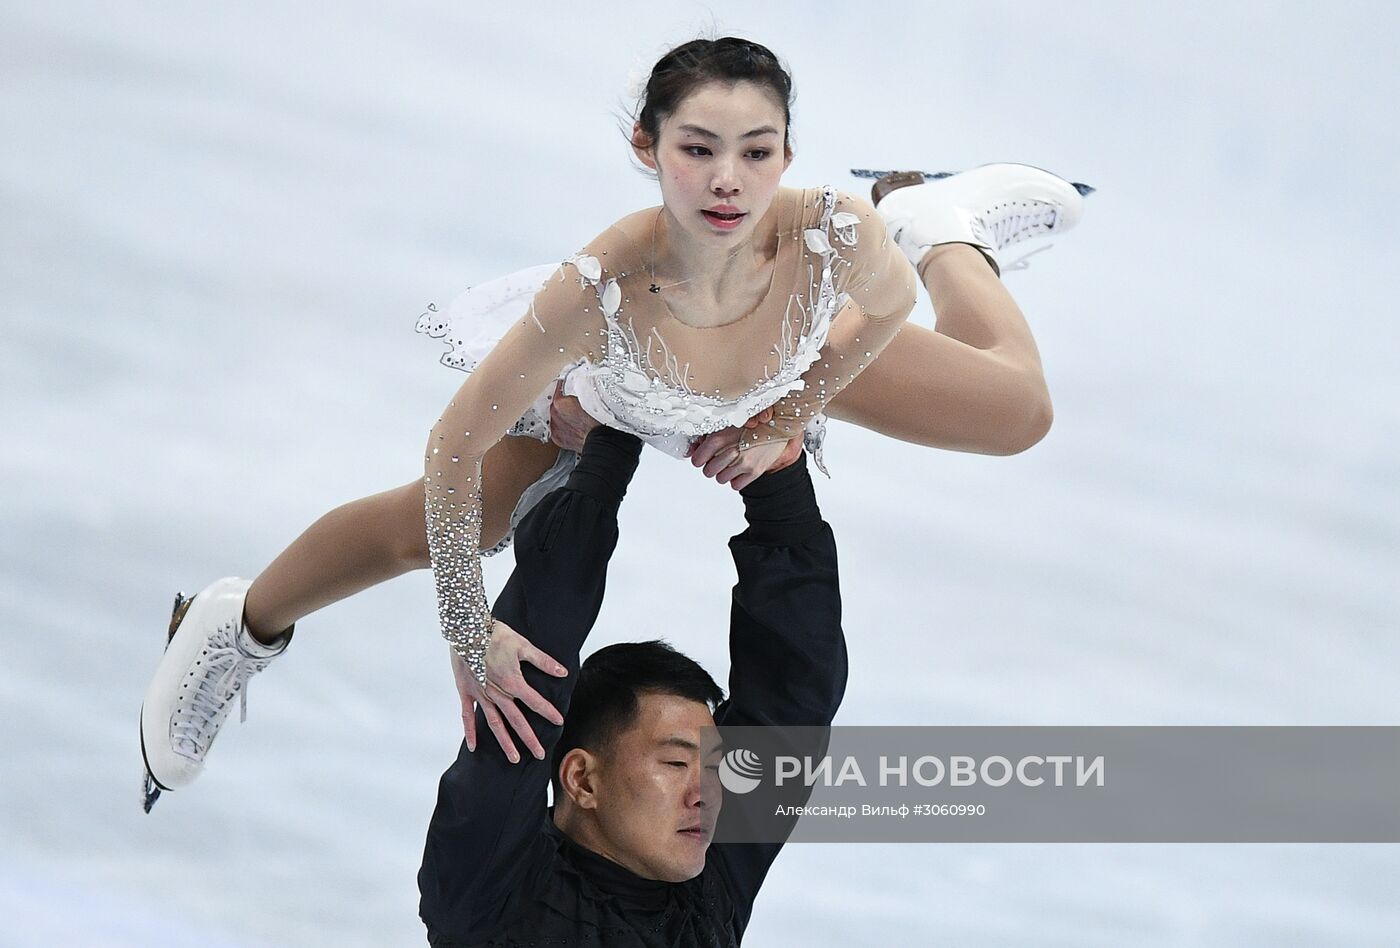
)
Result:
{"points": [[787, 651], [480, 847]]}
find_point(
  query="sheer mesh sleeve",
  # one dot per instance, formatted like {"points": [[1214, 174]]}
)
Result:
{"points": [[876, 289], [562, 326]]}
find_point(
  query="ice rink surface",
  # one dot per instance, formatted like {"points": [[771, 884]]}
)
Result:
{"points": [[218, 224]]}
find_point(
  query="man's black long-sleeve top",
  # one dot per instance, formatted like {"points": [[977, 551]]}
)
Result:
{"points": [[496, 870]]}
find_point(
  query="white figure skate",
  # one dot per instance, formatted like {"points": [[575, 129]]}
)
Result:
{"points": [[209, 657], [991, 208]]}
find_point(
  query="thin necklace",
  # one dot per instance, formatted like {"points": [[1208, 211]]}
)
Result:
{"points": [[651, 266]]}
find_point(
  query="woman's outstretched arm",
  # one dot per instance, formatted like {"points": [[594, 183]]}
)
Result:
{"points": [[561, 328]]}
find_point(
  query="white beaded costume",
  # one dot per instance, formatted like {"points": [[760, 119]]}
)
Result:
{"points": [[840, 292]]}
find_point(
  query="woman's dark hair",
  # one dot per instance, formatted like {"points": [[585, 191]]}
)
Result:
{"points": [[606, 699], [727, 59]]}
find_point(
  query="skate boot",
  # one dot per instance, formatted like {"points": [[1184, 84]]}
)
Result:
{"points": [[991, 208], [209, 657]]}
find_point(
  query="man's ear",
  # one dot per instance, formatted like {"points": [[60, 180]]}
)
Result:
{"points": [[578, 776], [643, 147]]}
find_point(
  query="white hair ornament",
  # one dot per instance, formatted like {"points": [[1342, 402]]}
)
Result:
{"points": [[637, 82]]}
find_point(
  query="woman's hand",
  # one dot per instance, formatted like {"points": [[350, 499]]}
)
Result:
{"points": [[721, 458], [504, 686]]}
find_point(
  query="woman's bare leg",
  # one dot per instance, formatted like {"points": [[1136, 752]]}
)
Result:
{"points": [[367, 541], [973, 384]]}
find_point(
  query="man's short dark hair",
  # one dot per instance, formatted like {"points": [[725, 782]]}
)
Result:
{"points": [[607, 698]]}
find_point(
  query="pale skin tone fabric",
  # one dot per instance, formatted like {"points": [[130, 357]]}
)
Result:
{"points": [[988, 400], [974, 383], [663, 371]]}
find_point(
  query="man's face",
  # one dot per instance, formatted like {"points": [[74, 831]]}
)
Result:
{"points": [[657, 790]]}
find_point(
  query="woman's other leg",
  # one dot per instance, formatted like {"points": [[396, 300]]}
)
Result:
{"points": [[974, 383], [367, 541]]}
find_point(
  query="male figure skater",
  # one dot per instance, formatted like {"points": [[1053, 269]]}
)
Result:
{"points": [[624, 857]]}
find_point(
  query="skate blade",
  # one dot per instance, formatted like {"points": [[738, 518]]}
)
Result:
{"points": [[150, 789], [1084, 189], [928, 175], [150, 792]]}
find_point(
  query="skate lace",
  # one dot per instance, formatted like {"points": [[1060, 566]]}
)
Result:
{"points": [[1007, 224], [223, 671]]}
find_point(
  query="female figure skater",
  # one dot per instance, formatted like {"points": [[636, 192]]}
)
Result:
{"points": [[726, 325]]}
